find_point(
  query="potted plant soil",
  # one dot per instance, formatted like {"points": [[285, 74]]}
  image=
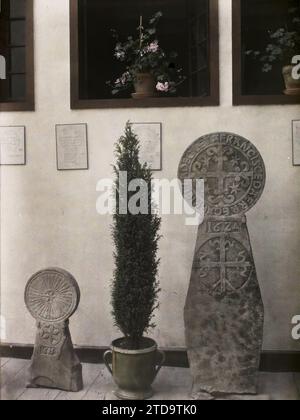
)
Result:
{"points": [[135, 358], [284, 45], [148, 69]]}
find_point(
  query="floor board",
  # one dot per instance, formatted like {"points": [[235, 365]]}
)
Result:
{"points": [[90, 374], [101, 388], [171, 384], [3, 361], [12, 390], [11, 369], [280, 386], [38, 394]]}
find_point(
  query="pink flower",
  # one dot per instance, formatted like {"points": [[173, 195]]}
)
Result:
{"points": [[163, 87], [153, 47], [123, 79]]}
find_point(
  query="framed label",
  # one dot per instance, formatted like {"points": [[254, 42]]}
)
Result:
{"points": [[12, 145], [296, 142], [71, 147], [150, 137]]}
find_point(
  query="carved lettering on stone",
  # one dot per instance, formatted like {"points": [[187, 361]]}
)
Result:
{"points": [[233, 171], [224, 311]]}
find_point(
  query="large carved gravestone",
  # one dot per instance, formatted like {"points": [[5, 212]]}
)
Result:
{"points": [[224, 312], [52, 296]]}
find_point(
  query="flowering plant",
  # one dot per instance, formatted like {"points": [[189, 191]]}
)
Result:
{"points": [[144, 54], [284, 43]]}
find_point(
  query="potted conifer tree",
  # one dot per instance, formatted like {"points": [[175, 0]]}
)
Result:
{"points": [[135, 358]]}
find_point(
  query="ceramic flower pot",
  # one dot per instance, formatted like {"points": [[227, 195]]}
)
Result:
{"points": [[292, 85], [134, 371], [145, 86]]}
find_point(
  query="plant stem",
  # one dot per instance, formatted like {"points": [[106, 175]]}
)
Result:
{"points": [[141, 32]]}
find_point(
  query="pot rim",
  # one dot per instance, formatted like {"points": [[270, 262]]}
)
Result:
{"points": [[114, 347]]}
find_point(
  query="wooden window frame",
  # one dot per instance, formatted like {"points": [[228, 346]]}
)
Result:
{"points": [[238, 97], [28, 103], [212, 100]]}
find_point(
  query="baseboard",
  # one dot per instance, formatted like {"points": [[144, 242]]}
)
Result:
{"points": [[271, 361], [297, 380], [174, 358]]}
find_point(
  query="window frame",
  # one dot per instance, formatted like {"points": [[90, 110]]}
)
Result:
{"points": [[28, 104], [238, 97], [212, 100]]}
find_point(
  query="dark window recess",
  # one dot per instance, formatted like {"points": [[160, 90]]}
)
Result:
{"points": [[184, 28], [258, 17], [13, 48]]}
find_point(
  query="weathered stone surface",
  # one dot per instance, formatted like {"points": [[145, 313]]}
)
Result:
{"points": [[52, 296], [233, 171], [224, 312]]}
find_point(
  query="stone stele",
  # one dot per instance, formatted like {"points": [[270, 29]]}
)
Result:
{"points": [[52, 296], [224, 313]]}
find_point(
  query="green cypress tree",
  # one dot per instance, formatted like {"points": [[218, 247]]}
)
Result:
{"points": [[135, 286]]}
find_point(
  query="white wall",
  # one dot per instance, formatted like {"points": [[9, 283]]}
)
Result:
{"points": [[48, 218]]}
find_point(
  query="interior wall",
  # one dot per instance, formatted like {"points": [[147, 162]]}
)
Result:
{"points": [[49, 218]]}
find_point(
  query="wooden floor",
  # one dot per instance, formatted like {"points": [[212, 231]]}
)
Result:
{"points": [[172, 384]]}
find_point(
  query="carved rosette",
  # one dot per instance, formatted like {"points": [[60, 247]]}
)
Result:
{"points": [[52, 295], [51, 334]]}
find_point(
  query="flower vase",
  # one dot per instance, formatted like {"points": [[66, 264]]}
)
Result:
{"points": [[145, 86], [292, 85]]}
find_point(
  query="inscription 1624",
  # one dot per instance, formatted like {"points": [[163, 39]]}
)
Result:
{"points": [[223, 227]]}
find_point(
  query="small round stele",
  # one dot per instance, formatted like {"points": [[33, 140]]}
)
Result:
{"points": [[52, 295]]}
